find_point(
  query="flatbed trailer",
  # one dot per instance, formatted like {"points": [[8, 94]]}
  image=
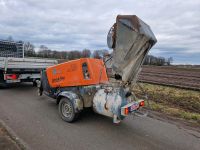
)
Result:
{"points": [[16, 70]]}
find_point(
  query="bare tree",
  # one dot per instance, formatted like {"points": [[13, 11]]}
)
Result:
{"points": [[74, 55], [96, 55], [44, 51], [29, 49], [170, 60], [159, 61], [86, 53]]}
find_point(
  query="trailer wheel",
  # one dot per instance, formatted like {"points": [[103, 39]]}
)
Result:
{"points": [[66, 110]]}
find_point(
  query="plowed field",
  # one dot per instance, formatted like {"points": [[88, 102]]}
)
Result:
{"points": [[173, 76]]}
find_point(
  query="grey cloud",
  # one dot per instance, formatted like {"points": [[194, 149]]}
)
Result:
{"points": [[75, 24]]}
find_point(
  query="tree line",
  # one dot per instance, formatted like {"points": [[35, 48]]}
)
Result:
{"points": [[45, 52], [158, 61]]}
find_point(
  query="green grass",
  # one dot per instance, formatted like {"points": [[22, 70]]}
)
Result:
{"points": [[176, 112], [177, 102]]}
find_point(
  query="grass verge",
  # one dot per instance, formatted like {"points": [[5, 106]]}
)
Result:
{"points": [[176, 112], [172, 101]]}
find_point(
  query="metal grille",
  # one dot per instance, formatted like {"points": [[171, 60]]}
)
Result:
{"points": [[11, 49]]}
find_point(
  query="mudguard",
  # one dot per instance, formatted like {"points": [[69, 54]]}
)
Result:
{"points": [[74, 98]]}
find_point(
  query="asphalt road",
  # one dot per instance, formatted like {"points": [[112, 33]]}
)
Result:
{"points": [[36, 121]]}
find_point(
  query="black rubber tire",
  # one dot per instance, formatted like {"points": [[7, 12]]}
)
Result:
{"points": [[34, 84], [3, 86], [73, 117]]}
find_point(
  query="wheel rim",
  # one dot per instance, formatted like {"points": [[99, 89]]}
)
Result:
{"points": [[67, 110]]}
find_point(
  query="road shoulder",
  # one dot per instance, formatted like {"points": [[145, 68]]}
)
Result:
{"points": [[9, 140]]}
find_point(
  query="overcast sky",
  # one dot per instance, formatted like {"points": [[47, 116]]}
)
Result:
{"points": [[79, 24]]}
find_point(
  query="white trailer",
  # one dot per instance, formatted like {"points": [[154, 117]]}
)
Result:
{"points": [[16, 70]]}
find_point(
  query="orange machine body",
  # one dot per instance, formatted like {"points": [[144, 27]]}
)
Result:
{"points": [[80, 72]]}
